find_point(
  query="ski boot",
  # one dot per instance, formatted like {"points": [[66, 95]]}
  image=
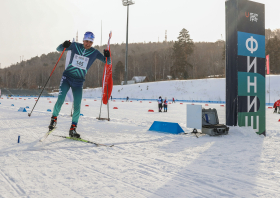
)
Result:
{"points": [[72, 131], [53, 123]]}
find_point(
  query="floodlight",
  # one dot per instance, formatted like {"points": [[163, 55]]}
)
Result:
{"points": [[128, 2]]}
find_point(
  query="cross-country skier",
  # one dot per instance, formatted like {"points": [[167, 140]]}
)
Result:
{"points": [[82, 57]]}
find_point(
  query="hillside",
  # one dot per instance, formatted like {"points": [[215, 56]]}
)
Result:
{"points": [[210, 89], [153, 60]]}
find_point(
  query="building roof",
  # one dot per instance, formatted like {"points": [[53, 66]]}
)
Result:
{"points": [[139, 79]]}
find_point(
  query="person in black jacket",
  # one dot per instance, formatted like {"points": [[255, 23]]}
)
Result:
{"points": [[159, 104]]}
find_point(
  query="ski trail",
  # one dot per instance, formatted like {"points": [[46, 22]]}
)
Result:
{"points": [[139, 173], [41, 146], [198, 172], [16, 188], [81, 165], [37, 179], [184, 184]]}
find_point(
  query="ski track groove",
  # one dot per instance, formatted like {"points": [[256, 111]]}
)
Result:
{"points": [[195, 192], [61, 186], [104, 174], [19, 191], [265, 185], [172, 176], [32, 148]]}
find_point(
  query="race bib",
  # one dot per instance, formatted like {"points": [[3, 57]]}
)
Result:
{"points": [[80, 62]]}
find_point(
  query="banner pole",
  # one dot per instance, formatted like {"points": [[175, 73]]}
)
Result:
{"points": [[108, 104], [100, 105], [269, 87]]}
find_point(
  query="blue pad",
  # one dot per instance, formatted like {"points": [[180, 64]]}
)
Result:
{"points": [[22, 109], [166, 127]]}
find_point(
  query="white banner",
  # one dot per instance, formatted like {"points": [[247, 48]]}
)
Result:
{"points": [[69, 95]]}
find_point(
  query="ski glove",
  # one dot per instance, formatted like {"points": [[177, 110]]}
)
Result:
{"points": [[66, 44], [106, 53]]}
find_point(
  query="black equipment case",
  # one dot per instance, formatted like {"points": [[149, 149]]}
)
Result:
{"points": [[210, 123]]}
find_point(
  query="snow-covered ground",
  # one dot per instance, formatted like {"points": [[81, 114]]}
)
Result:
{"points": [[210, 89], [141, 163]]}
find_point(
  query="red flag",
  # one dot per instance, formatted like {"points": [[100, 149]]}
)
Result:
{"points": [[267, 64], [107, 81]]}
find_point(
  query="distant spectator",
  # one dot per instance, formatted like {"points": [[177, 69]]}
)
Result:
{"points": [[159, 104], [127, 98], [276, 105], [173, 100], [165, 104], [111, 97]]}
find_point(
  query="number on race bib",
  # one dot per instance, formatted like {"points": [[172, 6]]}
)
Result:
{"points": [[80, 62]]}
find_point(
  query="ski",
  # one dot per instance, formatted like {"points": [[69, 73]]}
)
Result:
{"points": [[82, 140], [46, 135]]}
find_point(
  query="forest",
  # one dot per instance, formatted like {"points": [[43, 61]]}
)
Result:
{"points": [[181, 59]]}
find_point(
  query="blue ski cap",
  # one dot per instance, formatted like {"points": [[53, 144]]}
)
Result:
{"points": [[89, 36]]}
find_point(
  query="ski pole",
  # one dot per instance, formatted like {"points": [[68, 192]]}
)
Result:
{"points": [[47, 81]]}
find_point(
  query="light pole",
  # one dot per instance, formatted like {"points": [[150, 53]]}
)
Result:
{"points": [[127, 3]]}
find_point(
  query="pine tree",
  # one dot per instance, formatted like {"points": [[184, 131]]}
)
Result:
{"points": [[181, 51], [273, 49], [118, 73]]}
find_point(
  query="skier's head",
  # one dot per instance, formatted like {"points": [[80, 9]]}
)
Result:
{"points": [[88, 40]]}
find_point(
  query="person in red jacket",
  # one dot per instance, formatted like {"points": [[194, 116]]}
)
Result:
{"points": [[165, 104], [276, 104]]}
